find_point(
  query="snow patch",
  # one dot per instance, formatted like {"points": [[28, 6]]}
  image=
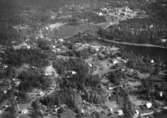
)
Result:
{"points": [[56, 26]]}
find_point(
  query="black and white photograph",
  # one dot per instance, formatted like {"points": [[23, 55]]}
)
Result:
{"points": [[83, 58]]}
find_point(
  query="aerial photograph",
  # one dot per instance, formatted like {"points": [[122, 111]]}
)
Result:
{"points": [[83, 58]]}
